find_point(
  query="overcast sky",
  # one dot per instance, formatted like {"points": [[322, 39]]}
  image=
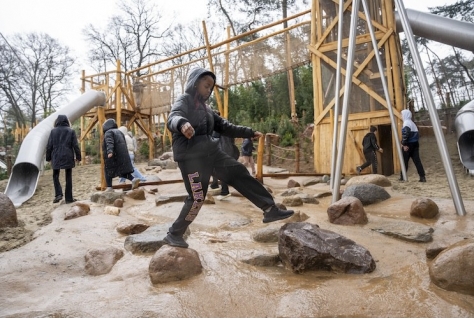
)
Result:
{"points": [[65, 19]]}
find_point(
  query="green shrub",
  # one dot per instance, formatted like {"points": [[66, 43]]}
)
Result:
{"points": [[92, 147], [3, 174], [144, 149]]}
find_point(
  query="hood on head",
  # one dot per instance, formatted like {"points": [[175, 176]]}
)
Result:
{"points": [[61, 120], [193, 78], [123, 129], [110, 123], [406, 115]]}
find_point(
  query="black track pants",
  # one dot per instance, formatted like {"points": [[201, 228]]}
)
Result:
{"points": [[413, 153], [370, 159], [196, 174]]}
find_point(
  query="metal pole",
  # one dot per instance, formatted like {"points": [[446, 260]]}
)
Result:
{"points": [[453, 185], [345, 104], [336, 95], [385, 89]]}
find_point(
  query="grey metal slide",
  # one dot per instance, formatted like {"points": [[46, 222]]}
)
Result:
{"points": [[464, 124], [26, 170]]}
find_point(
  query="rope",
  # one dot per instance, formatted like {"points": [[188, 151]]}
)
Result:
{"points": [[284, 149], [283, 158]]}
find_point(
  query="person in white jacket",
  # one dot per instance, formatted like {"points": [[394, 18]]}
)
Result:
{"points": [[131, 146]]}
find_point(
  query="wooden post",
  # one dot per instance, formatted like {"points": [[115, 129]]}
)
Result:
{"points": [[118, 94], [261, 146], [211, 67], [268, 147], [151, 147], [291, 83]]}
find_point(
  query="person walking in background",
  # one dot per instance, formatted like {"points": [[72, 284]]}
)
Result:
{"points": [[370, 146], [116, 158], [227, 144], [215, 180], [410, 145], [247, 154], [132, 148], [62, 151], [198, 154]]}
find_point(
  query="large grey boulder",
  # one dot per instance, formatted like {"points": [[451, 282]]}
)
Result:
{"points": [[402, 229], [375, 179], [367, 193], [305, 246], [150, 240]]}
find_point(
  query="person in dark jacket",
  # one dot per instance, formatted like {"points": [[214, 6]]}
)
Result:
{"points": [[116, 158], [370, 146], [247, 154], [62, 151], [410, 145], [227, 144], [198, 154]]}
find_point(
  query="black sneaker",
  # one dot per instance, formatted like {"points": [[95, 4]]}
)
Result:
{"points": [[71, 201], [359, 170], [422, 180], [176, 241], [275, 214], [57, 198]]}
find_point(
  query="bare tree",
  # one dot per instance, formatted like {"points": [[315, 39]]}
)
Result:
{"points": [[185, 38], [10, 93], [133, 37], [36, 75], [246, 15]]}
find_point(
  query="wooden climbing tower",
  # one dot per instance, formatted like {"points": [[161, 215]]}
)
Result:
{"points": [[368, 104]]}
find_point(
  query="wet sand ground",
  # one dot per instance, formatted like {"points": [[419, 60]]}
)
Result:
{"points": [[46, 277]]}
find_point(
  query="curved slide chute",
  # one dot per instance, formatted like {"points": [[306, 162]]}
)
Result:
{"points": [[26, 170], [464, 124]]}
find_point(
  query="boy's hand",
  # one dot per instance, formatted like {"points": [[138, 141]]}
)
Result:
{"points": [[187, 130], [380, 150], [110, 155]]}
